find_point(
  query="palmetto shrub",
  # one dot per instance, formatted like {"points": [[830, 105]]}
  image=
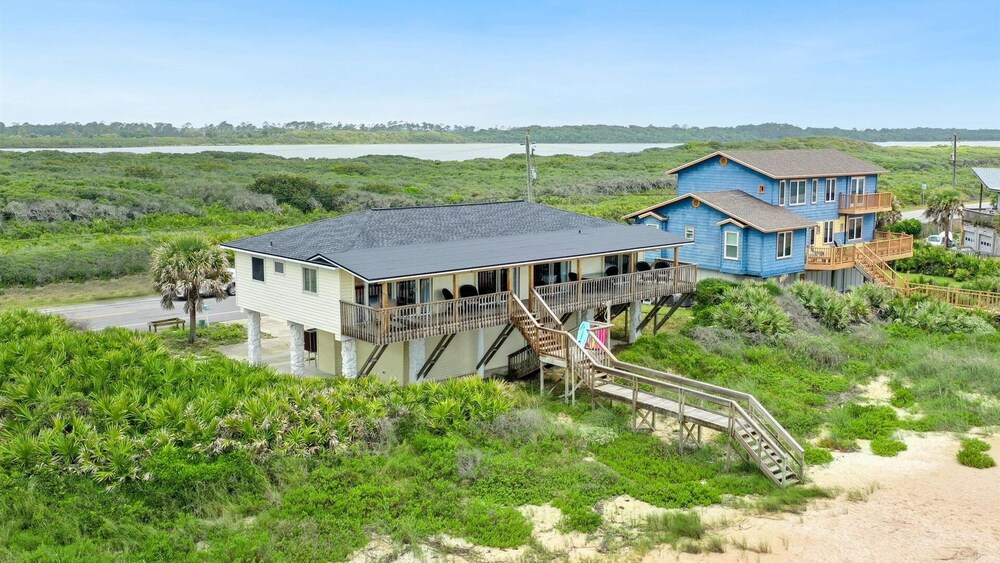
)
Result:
{"points": [[750, 308], [100, 403]]}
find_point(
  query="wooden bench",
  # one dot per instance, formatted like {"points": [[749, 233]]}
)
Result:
{"points": [[173, 322]]}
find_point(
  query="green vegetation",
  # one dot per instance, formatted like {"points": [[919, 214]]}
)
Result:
{"points": [[113, 447], [948, 376], [190, 267], [160, 134], [939, 266], [76, 217], [973, 454]]}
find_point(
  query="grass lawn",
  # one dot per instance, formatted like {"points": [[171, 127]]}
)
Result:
{"points": [[933, 280]]}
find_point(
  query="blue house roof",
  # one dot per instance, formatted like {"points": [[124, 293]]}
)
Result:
{"points": [[742, 207]]}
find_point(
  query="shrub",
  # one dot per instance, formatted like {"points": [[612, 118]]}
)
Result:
{"points": [[751, 308], [818, 456], [304, 194], [973, 454], [887, 447], [907, 226], [833, 309]]}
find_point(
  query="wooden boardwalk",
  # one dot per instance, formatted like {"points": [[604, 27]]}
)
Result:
{"points": [[751, 430]]}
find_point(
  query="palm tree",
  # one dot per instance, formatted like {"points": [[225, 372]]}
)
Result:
{"points": [[189, 267], [942, 206]]}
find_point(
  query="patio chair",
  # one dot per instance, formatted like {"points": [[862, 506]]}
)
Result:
{"points": [[661, 264], [468, 291], [642, 266], [611, 271], [447, 294]]}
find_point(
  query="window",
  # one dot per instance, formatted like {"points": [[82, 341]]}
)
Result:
{"points": [[811, 236], [784, 245], [689, 233], [831, 189], [309, 280], [828, 232], [854, 228], [731, 250], [279, 267], [815, 193], [781, 192], [493, 281], [257, 268], [858, 185], [797, 192]]}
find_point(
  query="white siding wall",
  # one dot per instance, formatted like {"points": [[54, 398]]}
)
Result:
{"points": [[281, 295]]}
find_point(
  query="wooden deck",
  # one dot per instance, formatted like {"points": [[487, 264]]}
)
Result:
{"points": [[887, 246], [614, 290]]}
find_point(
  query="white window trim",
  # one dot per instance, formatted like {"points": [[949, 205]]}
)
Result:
{"points": [[315, 289], [781, 193], [275, 267], [861, 230], [828, 232], [790, 235], [815, 192], [691, 229], [850, 185], [831, 195], [725, 245], [803, 193]]}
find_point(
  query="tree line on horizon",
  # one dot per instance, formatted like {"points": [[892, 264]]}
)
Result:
{"points": [[27, 134]]}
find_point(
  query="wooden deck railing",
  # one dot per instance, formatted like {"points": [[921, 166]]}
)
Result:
{"points": [[865, 203], [887, 246], [423, 320], [623, 288]]}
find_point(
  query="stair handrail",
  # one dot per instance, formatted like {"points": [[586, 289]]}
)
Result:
{"points": [[778, 434], [540, 303]]}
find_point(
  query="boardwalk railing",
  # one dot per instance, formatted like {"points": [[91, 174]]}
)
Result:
{"points": [[879, 272], [737, 414], [624, 288], [865, 203], [423, 320]]}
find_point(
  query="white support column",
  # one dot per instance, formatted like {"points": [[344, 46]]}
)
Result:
{"points": [[349, 357], [634, 318], [480, 350], [416, 352], [297, 349], [253, 336]]}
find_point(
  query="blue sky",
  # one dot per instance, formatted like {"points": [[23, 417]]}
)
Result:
{"points": [[846, 64]]}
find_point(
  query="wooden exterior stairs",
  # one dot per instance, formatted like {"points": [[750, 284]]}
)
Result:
{"points": [[878, 271], [752, 431]]}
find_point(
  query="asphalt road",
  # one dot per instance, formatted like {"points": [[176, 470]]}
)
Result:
{"points": [[135, 313], [914, 214]]}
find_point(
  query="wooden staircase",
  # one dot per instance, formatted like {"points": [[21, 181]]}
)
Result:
{"points": [[751, 429], [878, 271]]}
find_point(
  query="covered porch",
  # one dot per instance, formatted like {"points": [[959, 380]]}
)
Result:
{"points": [[410, 309]]}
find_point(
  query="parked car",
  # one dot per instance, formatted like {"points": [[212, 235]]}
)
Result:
{"points": [[230, 288], [936, 240]]}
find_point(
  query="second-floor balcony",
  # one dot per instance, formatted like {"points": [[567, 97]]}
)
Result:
{"points": [[857, 204], [887, 246], [386, 325]]}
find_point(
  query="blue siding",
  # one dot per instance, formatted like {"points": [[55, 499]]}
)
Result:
{"points": [[758, 251]]}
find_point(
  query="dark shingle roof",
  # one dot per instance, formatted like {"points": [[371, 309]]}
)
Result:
{"points": [[751, 211], [990, 177], [382, 244], [800, 163]]}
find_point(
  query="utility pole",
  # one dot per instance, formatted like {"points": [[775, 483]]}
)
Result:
{"points": [[954, 159], [529, 170]]}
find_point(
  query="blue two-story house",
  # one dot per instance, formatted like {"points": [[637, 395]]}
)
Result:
{"points": [[778, 214]]}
